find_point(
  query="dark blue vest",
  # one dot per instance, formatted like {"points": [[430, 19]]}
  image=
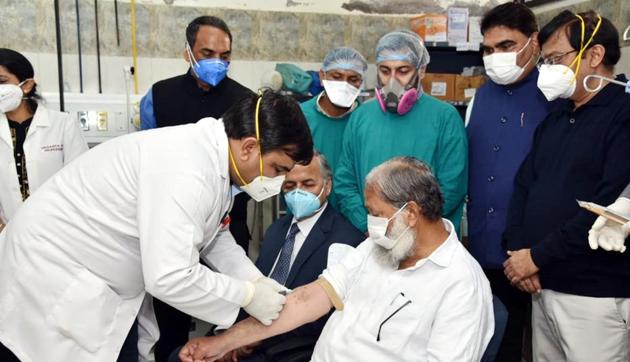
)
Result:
{"points": [[500, 133]]}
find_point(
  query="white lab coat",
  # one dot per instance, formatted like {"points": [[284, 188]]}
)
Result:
{"points": [[53, 140], [131, 216]]}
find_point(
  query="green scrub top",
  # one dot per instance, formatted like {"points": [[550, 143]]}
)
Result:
{"points": [[327, 133], [432, 131]]}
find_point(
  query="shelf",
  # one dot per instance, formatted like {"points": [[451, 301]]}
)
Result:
{"points": [[445, 46]]}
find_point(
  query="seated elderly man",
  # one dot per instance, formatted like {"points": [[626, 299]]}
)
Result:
{"points": [[410, 291]]}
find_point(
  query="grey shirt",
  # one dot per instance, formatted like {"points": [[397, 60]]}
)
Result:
{"points": [[626, 192]]}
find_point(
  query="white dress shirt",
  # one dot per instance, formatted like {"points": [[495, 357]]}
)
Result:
{"points": [[438, 310], [305, 226]]}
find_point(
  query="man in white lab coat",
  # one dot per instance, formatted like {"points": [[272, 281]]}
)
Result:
{"points": [[133, 216]]}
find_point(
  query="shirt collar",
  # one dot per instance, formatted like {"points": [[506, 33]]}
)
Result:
{"points": [[443, 255], [305, 225], [322, 111]]}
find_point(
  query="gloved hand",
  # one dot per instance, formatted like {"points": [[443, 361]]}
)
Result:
{"points": [[607, 234], [266, 302]]}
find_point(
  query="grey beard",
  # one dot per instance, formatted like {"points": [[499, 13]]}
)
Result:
{"points": [[402, 250]]}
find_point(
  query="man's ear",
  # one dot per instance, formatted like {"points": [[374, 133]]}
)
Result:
{"points": [[596, 55], [413, 214], [535, 43], [248, 148], [422, 71], [329, 183]]}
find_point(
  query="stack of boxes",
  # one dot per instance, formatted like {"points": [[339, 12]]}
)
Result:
{"points": [[461, 31]]}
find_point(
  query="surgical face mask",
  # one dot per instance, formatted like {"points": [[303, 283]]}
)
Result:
{"points": [[261, 187], [396, 98], [377, 229], [556, 81], [403, 249], [211, 71], [340, 93], [303, 204], [502, 68], [11, 96]]}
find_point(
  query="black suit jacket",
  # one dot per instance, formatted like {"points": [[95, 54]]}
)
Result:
{"points": [[311, 260]]}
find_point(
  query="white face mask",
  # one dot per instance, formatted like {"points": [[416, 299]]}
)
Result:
{"points": [[502, 67], [340, 93], [261, 187], [556, 81], [377, 229], [11, 96]]}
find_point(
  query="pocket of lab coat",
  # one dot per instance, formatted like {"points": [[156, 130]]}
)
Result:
{"points": [[86, 310]]}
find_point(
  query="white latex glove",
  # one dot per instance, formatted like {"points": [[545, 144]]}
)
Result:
{"points": [[266, 302], [607, 234]]}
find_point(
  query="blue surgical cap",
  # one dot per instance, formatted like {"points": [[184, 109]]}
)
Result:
{"points": [[402, 45], [345, 58]]}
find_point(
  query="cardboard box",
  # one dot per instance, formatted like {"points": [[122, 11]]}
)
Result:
{"points": [[431, 27], [439, 85], [465, 87], [457, 26]]}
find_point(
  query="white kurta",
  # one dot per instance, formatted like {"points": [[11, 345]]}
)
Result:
{"points": [[132, 215], [438, 310], [53, 140]]}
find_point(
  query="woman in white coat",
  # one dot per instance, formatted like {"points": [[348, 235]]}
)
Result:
{"points": [[35, 142], [133, 216]]}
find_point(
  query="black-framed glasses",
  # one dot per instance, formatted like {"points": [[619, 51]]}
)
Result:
{"points": [[554, 59], [378, 335]]}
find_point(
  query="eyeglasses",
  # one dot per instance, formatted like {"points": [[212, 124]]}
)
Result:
{"points": [[554, 59], [378, 335]]}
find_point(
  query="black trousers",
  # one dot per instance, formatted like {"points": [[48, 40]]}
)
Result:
{"points": [[128, 352], [518, 305]]}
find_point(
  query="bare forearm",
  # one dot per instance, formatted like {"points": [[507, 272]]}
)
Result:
{"points": [[306, 304]]}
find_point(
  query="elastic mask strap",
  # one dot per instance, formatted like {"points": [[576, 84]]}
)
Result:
{"points": [[258, 134], [193, 61], [322, 191], [398, 212], [583, 47], [24, 96], [235, 167], [525, 46]]}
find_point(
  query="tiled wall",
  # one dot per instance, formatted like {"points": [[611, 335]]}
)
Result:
{"points": [[28, 25], [260, 37]]}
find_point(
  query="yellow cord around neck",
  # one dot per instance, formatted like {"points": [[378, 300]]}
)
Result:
{"points": [[259, 147]]}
